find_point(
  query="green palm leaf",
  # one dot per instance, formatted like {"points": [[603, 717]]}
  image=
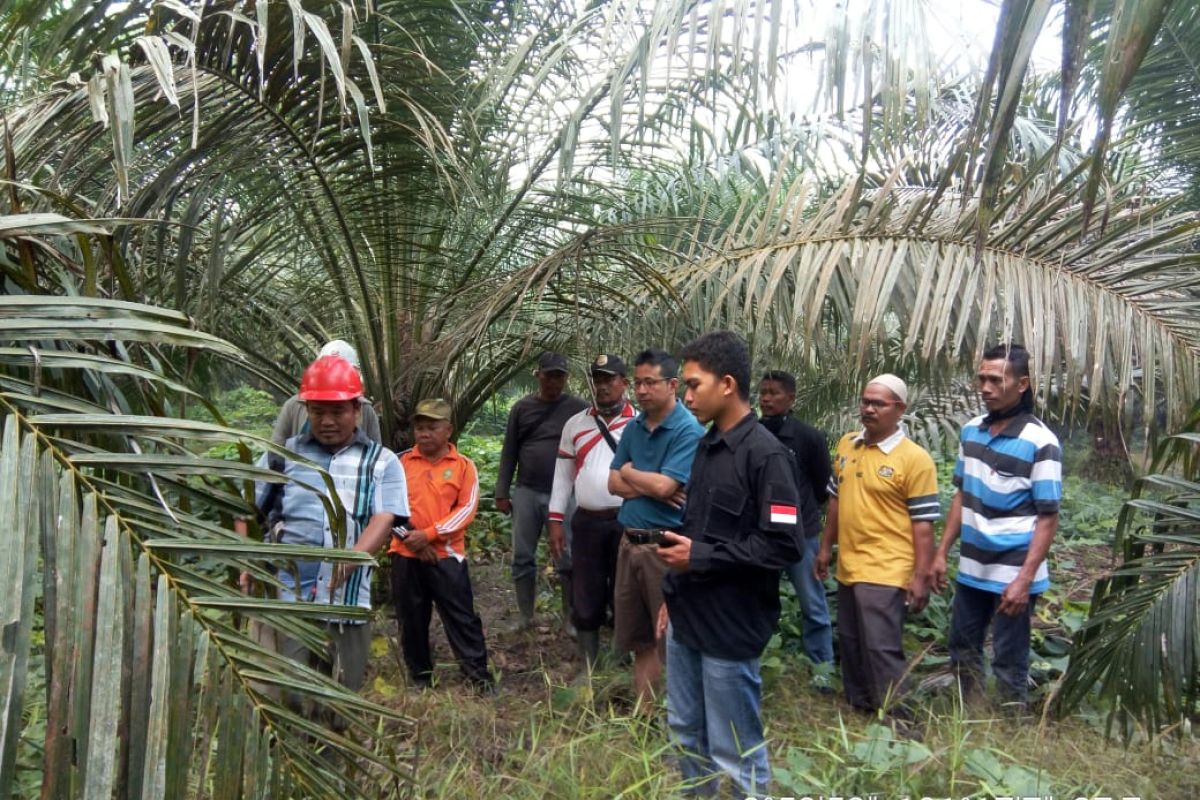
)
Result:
{"points": [[1140, 646], [141, 615]]}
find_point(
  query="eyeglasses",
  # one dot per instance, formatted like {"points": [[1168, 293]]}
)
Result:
{"points": [[868, 402], [648, 383]]}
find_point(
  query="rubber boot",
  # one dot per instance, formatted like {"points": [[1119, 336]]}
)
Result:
{"points": [[589, 648], [568, 605], [526, 589]]}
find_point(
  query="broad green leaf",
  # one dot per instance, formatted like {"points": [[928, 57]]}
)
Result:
{"points": [[158, 55], [107, 666], [18, 558], [154, 781], [44, 224]]}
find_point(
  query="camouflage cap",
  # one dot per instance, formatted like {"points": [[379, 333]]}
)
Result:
{"points": [[433, 408]]}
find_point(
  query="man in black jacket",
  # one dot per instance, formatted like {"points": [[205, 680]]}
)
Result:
{"points": [[776, 397], [722, 589]]}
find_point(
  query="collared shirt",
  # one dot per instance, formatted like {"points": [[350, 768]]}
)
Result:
{"points": [[667, 450], [443, 496], [742, 516], [881, 489], [584, 458], [368, 480], [531, 442], [810, 449], [1007, 480]]}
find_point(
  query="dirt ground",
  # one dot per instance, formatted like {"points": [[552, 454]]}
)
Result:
{"points": [[527, 663]]}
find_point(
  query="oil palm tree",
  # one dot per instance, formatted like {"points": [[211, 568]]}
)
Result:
{"points": [[454, 186]]}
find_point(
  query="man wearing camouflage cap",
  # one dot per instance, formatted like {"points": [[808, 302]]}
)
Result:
{"points": [[429, 561]]}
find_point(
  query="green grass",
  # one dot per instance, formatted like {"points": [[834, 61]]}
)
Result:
{"points": [[576, 743], [541, 739]]}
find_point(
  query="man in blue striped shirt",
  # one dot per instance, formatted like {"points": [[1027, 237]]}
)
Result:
{"points": [[1009, 479]]}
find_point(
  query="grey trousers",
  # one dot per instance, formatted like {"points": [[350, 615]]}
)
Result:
{"points": [[530, 512], [345, 660], [870, 629]]}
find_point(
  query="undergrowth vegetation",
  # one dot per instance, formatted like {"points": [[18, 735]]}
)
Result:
{"points": [[545, 737]]}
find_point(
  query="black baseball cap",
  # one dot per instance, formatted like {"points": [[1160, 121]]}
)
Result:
{"points": [[608, 364], [552, 362]]}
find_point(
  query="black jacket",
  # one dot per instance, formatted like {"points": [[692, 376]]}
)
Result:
{"points": [[742, 517], [810, 449]]}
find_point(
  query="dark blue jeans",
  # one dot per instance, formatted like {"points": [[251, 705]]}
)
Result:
{"points": [[974, 610], [816, 626]]}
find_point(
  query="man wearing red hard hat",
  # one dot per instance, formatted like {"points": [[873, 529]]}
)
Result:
{"points": [[293, 416], [369, 484]]}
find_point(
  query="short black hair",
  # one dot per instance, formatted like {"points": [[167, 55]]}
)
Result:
{"points": [[666, 363], [787, 379], [1016, 356], [722, 353]]}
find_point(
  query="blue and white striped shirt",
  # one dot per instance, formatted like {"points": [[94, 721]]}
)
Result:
{"points": [[1007, 480], [368, 480]]}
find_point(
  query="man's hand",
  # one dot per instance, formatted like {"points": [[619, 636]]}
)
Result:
{"points": [[677, 499], [660, 624], [558, 539], [821, 563], [246, 583], [504, 505], [937, 575], [1014, 600], [420, 544], [677, 553], [917, 596]]}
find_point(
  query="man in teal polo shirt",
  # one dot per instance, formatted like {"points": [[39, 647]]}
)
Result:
{"points": [[650, 471]]}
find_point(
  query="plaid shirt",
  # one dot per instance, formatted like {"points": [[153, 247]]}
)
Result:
{"points": [[368, 481]]}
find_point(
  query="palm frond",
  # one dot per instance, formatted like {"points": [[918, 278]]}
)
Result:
{"points": [[1105, 314], [145, 632], [1139, 649]]}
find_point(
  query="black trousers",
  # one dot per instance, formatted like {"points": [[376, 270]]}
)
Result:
{"points": [[594, 547], [870, 630], [416, 588]]}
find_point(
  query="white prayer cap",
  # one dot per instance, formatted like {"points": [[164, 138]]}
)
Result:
{"points": [[341, 349], [898, 387]]}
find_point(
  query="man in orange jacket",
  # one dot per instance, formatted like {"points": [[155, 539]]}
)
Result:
{"points": [[429, 565]]}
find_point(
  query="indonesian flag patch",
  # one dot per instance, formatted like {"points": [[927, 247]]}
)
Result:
{"points": [[783, 515]]}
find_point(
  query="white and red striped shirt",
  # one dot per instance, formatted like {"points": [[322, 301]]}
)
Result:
{"points": [[584, 459]]}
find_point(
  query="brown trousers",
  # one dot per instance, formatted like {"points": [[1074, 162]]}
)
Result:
{"points": [[870, 622]]}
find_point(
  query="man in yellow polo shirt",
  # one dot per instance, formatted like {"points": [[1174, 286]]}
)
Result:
{"points": [[883, 501]]}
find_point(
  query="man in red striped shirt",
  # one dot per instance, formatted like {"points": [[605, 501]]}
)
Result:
{"points": [[429, 565], [585, 453]]}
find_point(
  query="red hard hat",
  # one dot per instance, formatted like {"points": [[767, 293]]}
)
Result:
{"points": [[331, 378]]}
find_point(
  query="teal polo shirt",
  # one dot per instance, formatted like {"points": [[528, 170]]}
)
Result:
{"points": [[668, 450]]}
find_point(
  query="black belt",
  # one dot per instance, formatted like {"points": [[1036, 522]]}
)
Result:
{"points": [[603, 513], [642, 535]]}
